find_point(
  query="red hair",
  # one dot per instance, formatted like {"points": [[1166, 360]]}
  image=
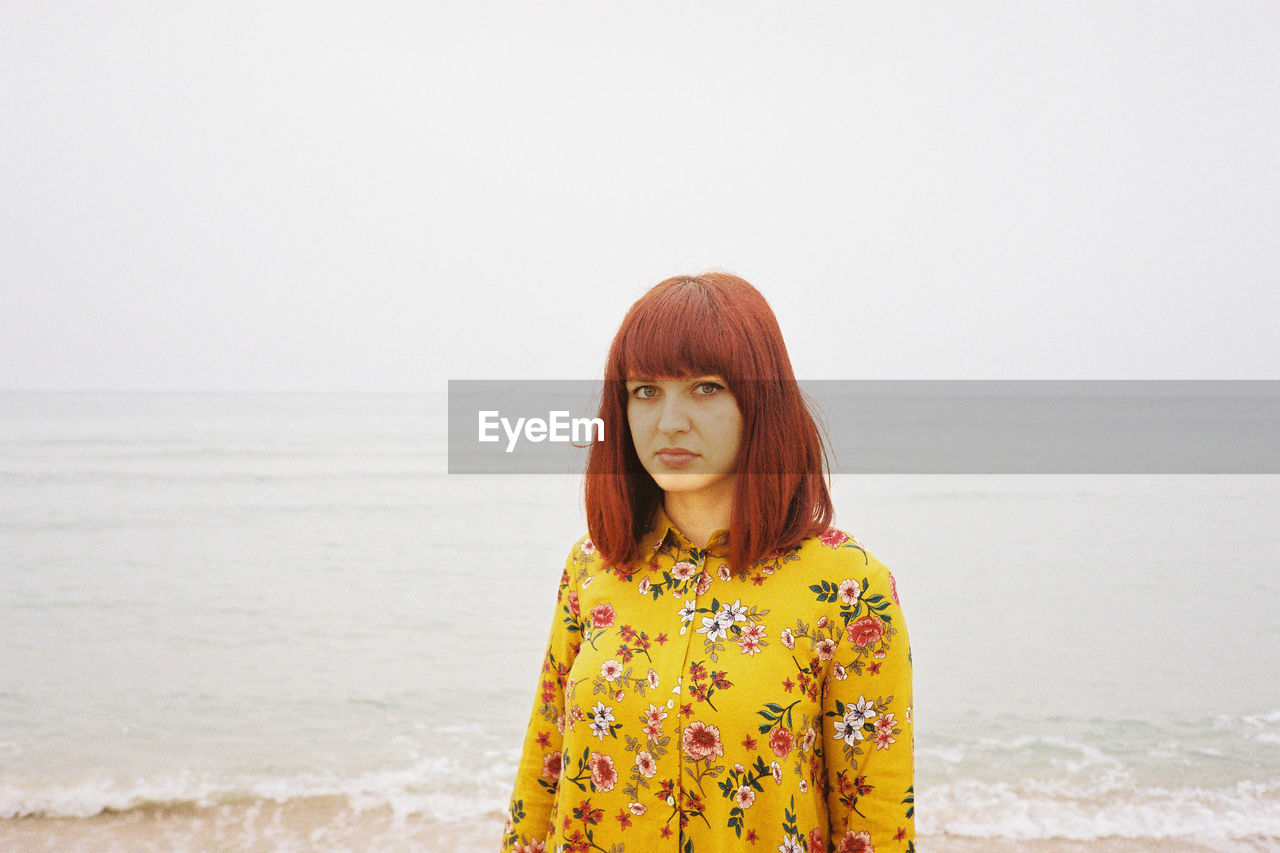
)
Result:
{"points": [[714, 323]]}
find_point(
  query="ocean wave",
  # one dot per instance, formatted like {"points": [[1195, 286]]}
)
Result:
{"points": [[444, 792], [436, 788], [1111, 809]]}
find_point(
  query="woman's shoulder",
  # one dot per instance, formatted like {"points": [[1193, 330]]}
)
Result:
{"points": [[841, 568], [836, 550], [583, 550]]}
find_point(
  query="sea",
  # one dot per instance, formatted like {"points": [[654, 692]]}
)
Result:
{"points": [[276, 622]]}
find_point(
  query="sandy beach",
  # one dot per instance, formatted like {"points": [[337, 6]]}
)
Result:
{"points": [[328, 823]]}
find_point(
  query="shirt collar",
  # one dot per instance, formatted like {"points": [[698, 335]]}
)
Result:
{"points": [[664, 532]]}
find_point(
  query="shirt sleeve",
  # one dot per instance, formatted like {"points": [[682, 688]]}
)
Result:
{"points": [[530, 812], [867, 730]]}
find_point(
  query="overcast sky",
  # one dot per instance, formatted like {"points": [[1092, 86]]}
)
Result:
{"points": [[382, 196]]}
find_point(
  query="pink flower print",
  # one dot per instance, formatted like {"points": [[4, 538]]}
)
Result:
{"points": [[603, 774], [781, 741], [602, 616], [867, 631], [833, 538], [856, 842], [702, 741], [682, 571], [648, 766]]}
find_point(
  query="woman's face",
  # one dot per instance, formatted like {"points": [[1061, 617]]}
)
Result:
{"points": [[686, 433]]}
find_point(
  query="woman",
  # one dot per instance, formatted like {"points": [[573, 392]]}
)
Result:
{"points": [[725, 670]]}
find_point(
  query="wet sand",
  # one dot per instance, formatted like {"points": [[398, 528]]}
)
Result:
{"points": [[329, 824]]}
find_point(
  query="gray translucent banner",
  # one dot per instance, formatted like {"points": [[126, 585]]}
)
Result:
{"points": [[922, 426]]}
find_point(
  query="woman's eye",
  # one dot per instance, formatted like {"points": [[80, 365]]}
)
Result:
{"points": [[706, 389], [643, 392]]}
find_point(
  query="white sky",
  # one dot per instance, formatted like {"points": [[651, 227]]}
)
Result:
{"points": [[381, 196]]}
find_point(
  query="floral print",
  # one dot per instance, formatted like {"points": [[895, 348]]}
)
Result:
{"points": [[684, 708]]}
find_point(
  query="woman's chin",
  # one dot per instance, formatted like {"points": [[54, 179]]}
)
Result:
{"points": [[690, 483]]}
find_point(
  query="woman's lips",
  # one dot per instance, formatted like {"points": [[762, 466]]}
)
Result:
{"points": [[676, 458]]}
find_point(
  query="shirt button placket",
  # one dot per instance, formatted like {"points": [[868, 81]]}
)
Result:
{"points": [[690, 637]]}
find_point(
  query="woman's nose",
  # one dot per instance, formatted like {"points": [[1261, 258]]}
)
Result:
{"points": [[674, 417]]}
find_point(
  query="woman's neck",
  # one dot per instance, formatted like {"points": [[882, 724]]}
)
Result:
{"points": [[699, 516]]}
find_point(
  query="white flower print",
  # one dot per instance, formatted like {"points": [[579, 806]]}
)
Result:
{"points": [[730, 613], [723, 572], [601, 717], [611, 669], [653, 679], [687, 613], [850, 591], [790, 844], [788, 639], [745, 797], [644, 586], [776, 769], [712, 627], [865, 708], [849, 728]]}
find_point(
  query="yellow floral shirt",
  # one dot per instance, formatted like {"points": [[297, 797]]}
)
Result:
{"points": [[684, 709]]}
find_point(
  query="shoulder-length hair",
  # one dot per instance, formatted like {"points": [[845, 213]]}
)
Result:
{"points": [[715, 323]]}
